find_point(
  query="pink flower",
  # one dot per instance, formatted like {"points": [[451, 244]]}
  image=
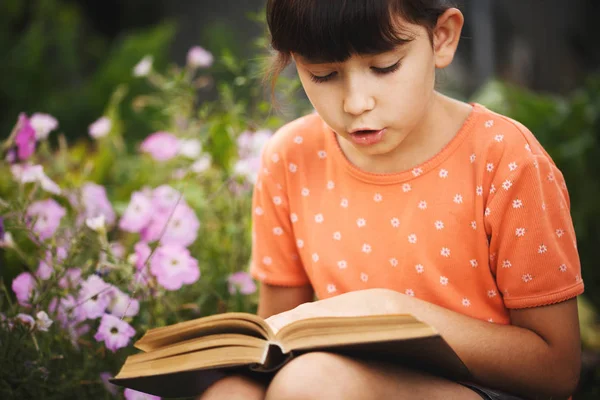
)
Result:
{"points": [[100, 128], [138, 213], [142, 253], [173, 266], [165, 198], [68, 311], [122, 304], [112, 389], [46, 215], [25, 139], [94, 296], [162, 146], [114, 333], [197, 57], [131, 394], [23, 286], [71, 279], [178, 227], [46, 266], [26, 320], [96, 203], [43, 125], [241, 282]]}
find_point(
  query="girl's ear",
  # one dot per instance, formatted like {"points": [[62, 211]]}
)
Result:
{"points": [[446, 36]]}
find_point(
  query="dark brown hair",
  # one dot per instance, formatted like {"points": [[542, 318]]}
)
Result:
{"points": [[333, 30]]}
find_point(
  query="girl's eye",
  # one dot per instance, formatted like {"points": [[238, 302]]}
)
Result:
{"points": [[387, 70], [321, 79]]}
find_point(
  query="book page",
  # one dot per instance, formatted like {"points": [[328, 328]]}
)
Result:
{"points": [[229, 323]]}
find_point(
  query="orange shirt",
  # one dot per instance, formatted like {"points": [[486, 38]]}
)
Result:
{"points": [[481, 227]]}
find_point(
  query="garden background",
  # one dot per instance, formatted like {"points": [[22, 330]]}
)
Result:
{"points": [[133, 127]]}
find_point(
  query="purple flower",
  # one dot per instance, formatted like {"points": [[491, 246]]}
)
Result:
{"points": [[114, 333], [141, 255], [25, 139], [241, 282], [68, 311], [162, 146], [43, 125], [173, 266], [47, 215], [23, 286], [46, 266], [131, 394], [100, 128], [71, 279], [26, 320], [122, 304], [178, 227], [112, 389], [197, 57], [96, 203], [251, 144], [138, 213], [94, 296]]}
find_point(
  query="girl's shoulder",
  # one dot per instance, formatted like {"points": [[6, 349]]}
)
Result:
{"points": [[300, 136]]}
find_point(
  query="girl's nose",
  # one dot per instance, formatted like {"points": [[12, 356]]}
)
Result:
{"points": [[357, 99]]}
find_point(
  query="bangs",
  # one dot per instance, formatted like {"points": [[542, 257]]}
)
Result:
{"points": [[334, 30]]}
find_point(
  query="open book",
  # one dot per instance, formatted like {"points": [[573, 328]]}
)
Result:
{"points": [[186, 358]]}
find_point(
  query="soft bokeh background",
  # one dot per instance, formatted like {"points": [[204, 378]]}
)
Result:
{"points": [[537, 63]]}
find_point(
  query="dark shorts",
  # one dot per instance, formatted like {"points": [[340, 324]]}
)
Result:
{"points": [[490, 394]]}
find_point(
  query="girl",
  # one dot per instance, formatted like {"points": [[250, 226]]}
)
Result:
{"points": [[393, 198]]}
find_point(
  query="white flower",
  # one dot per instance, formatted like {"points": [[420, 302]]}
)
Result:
{"points": [[361, 222], [489, 167], [315, 257], [395, 222], [551, 177], [267, 260], [562, 268], [305, 192], [487, 212], [406, 187], [201, 164], [331, 288], [198, 57], [527, 278], [506, 264], [275, 158], [278, 231], [491, 293], [499, 138], [419, 268], [293, 218], [472, 158], [337, 236], [43, 322], [144, 67], [412, 238], [474, 263], [507, 184], [417, 171], [445, 252], [293, 168], [517, 203], [544, 206], [423, 205], [474, 225], [542, 249], [409, 292], [439, 225], [322, 154], [190, 148], [277, 200], [330, 185], [366, 248], [298, 139], [344, 203], [364, 277], [466, 302], [443, 280], [528, 148], [35, 173], [43, 125], [342, 264], [378, 197], [560, 232], [97, 224], [458, 199], [489, 123], [319, 218], [300, 243], [394, 262], [7, 242], [479, 190], [259, 211], [100, 128], [512, 166], [443, 173], [492, 189]]}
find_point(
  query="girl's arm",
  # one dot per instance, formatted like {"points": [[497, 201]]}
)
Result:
{"points": [[538, 356], [277, 299]]}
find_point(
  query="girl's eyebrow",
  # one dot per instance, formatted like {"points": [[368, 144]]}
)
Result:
{"points": [[323, 61]]}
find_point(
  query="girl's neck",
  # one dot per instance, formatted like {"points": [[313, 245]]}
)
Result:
{"points": [[441, 121]]}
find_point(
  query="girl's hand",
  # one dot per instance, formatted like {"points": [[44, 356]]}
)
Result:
{"points": [[353, 304]]}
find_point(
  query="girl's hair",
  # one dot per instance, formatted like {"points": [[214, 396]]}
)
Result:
{"points": [[333, 30]]}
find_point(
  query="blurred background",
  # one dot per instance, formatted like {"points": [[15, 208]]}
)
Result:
{"points": [[538, 62]]}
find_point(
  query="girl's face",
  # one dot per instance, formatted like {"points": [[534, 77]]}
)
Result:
{"points": [[388, 93]]}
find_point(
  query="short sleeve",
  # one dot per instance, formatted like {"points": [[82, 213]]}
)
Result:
{"points": [[275, 259], [533, 250]]}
